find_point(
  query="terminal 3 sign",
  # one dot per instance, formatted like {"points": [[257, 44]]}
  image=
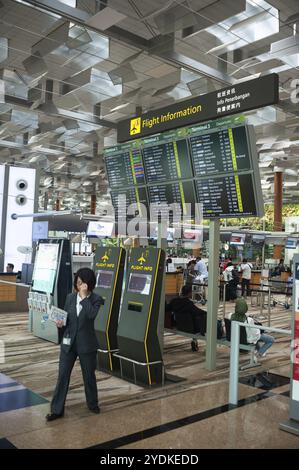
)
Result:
{"points": [[237, 98]]}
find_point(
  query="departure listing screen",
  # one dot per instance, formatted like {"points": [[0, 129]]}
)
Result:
{"points": [[123, 198], [166, 161], [125, 169], [220, 151], [45, 267], [227, 196], [176, 193]]}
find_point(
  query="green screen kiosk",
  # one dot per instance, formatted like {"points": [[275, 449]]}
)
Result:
{"points": [[139, 338], [52, 281], [109, 269]]}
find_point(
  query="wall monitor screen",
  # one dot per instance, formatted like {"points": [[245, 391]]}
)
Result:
{"points": [[291, 243], [99, 229], [45, 267], [104, 279], [258, 239], [192, 235], [237, 239], [140, 283], [39, 230]]}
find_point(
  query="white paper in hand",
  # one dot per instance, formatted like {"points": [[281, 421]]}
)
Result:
{"points": [[57, 314]]}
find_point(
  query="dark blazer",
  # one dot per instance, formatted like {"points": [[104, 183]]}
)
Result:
{"points": [[80, 328]]}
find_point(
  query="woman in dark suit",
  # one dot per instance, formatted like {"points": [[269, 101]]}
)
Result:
{"points": [[78, 339]]}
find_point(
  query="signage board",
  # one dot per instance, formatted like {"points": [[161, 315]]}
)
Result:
{"points": [[251, 94]]}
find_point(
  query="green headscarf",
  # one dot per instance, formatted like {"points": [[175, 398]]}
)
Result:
{"points": [[241, 308]]}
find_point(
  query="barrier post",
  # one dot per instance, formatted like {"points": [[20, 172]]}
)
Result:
{"points": [[234, 363], [269, 306], [224, 295]]}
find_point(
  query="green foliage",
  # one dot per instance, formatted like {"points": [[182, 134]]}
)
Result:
{"points": [[267, 222]]}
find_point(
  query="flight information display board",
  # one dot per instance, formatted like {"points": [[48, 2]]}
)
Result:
{"points": [[166, 160], [220, 151], [215, 164], [124, 167], [227, 196]]}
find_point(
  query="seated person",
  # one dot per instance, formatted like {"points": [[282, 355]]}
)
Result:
{"points": [[183, 308], [254, 335], [10, 267]]}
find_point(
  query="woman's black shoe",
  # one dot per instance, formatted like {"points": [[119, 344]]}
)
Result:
{"points": [[52, 416], [95, 410], [194, 345]]}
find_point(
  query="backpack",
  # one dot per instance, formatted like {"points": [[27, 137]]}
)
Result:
{"points": [[236, 277]]}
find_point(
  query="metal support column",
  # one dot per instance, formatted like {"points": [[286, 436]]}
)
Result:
{"points": [[213, 294]]}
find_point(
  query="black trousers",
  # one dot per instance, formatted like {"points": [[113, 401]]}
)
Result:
{"points": [[66, 364], [245, 284]]}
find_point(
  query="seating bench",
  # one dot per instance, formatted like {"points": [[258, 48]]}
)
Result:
{"points": [[223, 342]]}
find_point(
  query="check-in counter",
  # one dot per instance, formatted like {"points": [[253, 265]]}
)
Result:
{"points": [[13, 298], [255, 279], [173, 283], [8, 293]]}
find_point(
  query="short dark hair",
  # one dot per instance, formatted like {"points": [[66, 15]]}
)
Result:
{"points": [[11, 265], [186, 290], [245, 260], [87, 276]]}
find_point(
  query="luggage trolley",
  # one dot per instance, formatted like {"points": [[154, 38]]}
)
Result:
{"points": [[199, 291], [282, 288]]}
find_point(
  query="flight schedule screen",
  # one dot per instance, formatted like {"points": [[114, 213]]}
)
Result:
{"points": [[223, 196], [125, 169], [164, 161], [179, 193], [214, 164], [124, 198], [220, 151]]}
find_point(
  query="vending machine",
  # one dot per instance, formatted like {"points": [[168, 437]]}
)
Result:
{"points": [[52, 281], [140, 328], [109, 270]]}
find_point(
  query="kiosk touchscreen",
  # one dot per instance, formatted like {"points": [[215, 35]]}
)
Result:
{"points": [[109, 270], [138, 329], [52, 280]]}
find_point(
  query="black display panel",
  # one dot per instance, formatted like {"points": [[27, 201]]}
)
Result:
{"points": [[227, 196], [125, 169], [178, 192], [140, 283], [220, 151], [166, 161], [104, 279], [134, 195]]}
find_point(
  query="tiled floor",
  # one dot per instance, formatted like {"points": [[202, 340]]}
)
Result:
{"points": [[191, 413]]}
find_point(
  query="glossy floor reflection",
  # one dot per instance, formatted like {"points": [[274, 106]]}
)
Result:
{"points": [[191, 413]]}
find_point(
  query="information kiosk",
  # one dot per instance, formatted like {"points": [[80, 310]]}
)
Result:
{"points": [[52, 280], [109, 270], [140, 330]]}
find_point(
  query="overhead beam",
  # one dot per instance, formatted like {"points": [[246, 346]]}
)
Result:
{"points": [[81, 17], [63, 113]]}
